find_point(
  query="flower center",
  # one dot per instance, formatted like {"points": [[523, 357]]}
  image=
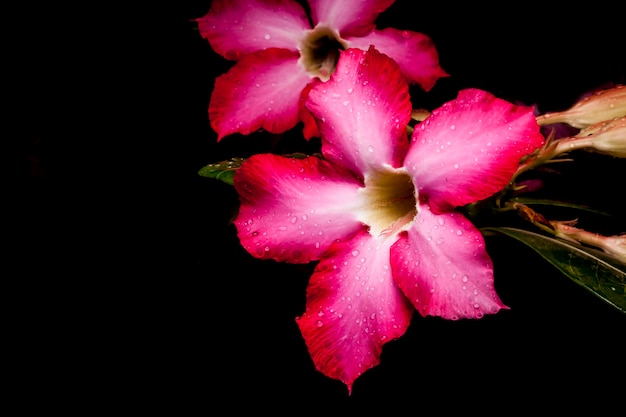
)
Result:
{"points": [[319, 51], [388, 201]]}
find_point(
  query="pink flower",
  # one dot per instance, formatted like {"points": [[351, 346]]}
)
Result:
{"points": [[278, 53], [379, 212]]}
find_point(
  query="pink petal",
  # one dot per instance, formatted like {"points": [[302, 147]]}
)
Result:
{"points": [[469, 148], [362, 111], [353, 308], [349, 17], [260, 91], [238, 27], [309, 129], [443, 268], [293, 209], [414, 52]]}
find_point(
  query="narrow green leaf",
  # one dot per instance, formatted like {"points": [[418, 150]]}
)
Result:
{"points": [[596, 271], [223, 171]]}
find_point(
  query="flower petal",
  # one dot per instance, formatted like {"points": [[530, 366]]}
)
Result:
{"points": [[309, 129], [349, 17], [353, 308], [469, 148], [414, 52], [238, 27], [260, 91], [362, 111], [293, 209], [443, 267]]}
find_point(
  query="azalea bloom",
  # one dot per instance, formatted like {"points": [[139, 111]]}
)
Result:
{"points": [[278, 52], [380, 212]]}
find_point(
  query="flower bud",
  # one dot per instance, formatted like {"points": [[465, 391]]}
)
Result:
{"points": [[598, 107], [607, 137], [612, 245]]}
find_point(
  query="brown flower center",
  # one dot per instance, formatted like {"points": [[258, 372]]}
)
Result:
{"points": [[319, 51]]}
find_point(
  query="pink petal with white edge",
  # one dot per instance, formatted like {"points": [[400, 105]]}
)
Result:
{"points": [[362, 111], [414, 52], [238, 27], [443, 268], [469, 148], [353, 308], [261, 91], [349, 17], [293, 209]]}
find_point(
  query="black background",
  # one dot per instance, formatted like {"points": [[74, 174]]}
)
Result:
{"points": [[132, 292]]}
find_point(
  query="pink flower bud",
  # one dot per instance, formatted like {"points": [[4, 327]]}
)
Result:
{"points": [[613, 245], [598, 107], [607, 137]]}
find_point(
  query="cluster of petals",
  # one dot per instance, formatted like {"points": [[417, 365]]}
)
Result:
{"points": [[279, 50], [379, 210]]}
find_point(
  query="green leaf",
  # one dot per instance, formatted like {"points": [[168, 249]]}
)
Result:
{"points": [[596, 271], [223, 171]]}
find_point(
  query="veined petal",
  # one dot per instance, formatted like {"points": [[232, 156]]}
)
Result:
{"points": [[469, 148], [238, 27], [442, 266], [353, 308], [261, 90], [349, 17], [414, 52], [293, 209], [362, 111]]}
